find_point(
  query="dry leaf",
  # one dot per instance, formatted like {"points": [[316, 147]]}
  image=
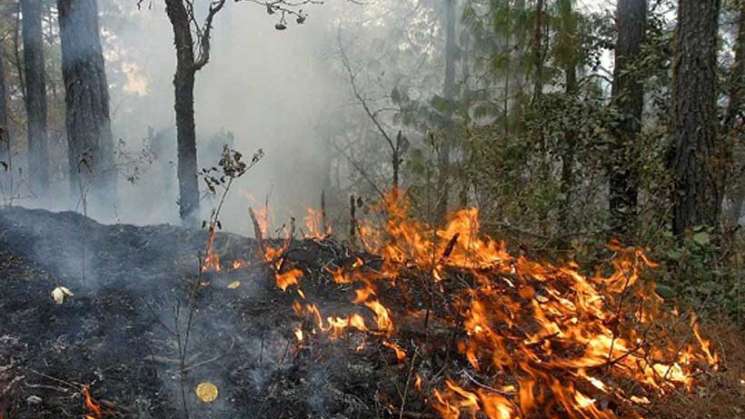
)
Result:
{"points": [[235, 284], [207, 392], [60, 293]]}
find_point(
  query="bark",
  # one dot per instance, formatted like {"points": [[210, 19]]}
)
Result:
{"points": [[36, 97], [87, 120], [448, 94], [628, 100], [697, 162]]}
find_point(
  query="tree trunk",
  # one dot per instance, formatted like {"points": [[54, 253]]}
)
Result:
{"points": [[5, 155], [697, 161], [183, 83], [569, 37], [89, 138], [36, 97], [628, 100], [538, 50], [449, 94]]}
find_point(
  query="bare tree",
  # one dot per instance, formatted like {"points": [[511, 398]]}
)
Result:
{"points": [[4, 116], [697, 161], [36, 96], [448, 93], [192, 42], [397, 146]]}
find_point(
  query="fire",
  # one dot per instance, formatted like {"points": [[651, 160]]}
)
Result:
{"points": [[542, 339], [291, 277], [211, 262], [93, 409], [315, 225]]}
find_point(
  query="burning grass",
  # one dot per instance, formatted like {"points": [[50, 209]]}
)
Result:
{"points": [[520, 338]]}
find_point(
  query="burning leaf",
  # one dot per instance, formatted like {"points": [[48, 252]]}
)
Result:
{"points": [[207, 392], [233, 285], [60, 293]]}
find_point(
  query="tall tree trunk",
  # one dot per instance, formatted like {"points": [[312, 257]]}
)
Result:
{"points": [[183, 83], [449, 94], [569, 37], [89, 137], [5, 154], [628, 100], [36, 97], [734, 109], [697, 161], [538, 50]]}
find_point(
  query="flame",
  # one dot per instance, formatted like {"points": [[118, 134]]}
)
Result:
{"points": [[94, 409], [545, 340], [400, 353], [314, 225], [211, 262], [291, 277]]}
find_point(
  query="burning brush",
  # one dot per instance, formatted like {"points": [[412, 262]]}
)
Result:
{"points": [[529, 339]]}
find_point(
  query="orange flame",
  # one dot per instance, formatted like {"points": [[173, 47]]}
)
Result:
{"points": [[550, 328], [93, 409], [314, 225], [211, 262]]}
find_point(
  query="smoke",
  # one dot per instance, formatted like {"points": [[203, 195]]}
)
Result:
{"points": [[268, 88]]}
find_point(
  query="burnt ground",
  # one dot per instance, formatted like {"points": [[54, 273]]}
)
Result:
{"points": [[118, 333]]}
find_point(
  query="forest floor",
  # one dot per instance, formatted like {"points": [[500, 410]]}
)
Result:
{"points": [[120, 332]]}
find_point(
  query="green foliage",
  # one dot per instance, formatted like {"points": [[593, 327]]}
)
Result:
{"points": [[704, 269]]}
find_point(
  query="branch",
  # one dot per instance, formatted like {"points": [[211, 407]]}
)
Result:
{"points": [[203, 37], [363, 102]]}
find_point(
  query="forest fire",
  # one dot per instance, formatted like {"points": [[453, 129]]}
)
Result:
{"points": [[536, 337]]}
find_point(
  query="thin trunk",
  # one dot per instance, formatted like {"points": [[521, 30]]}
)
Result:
{"points": [[734, 109], [36, 97], [449, 95], [17, 52], [697, 163], [737, 76], [538, 50], [183, 83], [568, 36], [5, 141], [628, 100], [89, 137]]}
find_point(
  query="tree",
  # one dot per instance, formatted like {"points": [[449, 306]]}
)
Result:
{"points": [[188, 62], [87, 120], [4, 118], [36, 97], [628, 102], [448, 93], [697, 159], [567, 56]]}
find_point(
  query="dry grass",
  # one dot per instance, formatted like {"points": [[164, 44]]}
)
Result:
{"points": [[720, 394]]}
